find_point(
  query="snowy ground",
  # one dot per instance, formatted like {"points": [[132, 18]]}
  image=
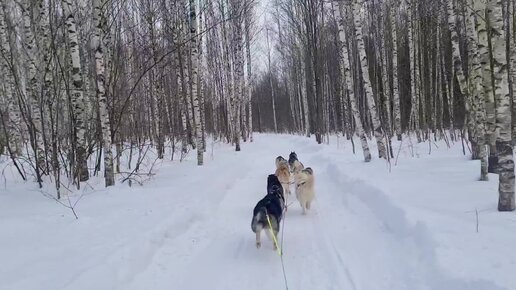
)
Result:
{"points": [[189, 227]]}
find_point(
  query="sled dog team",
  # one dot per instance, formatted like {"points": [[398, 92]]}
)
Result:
{"points": [[268, 212]]}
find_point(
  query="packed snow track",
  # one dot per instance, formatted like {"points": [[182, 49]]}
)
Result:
{"points": [[189, 228]]}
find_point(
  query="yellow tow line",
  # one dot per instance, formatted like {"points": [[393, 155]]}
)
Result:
{"points": [[273, 235]]}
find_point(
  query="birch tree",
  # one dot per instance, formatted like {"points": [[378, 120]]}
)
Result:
{"points": [[393, 16], [503, 108], [378, 131], [196, 107], [13, 127], [348, 81], [101, 91], [76, 92]]}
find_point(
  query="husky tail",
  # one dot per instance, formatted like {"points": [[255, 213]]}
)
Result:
{"points": [[259, 221]]}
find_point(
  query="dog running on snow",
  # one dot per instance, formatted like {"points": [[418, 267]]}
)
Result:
{"points": [[283, 174], [268, 212], [305, 193]]}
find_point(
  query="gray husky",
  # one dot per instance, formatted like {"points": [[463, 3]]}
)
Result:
{"points": [[268, 212]]}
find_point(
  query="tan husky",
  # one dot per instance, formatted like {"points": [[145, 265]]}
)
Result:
{"points": [[279, 160], [297, 167], [283, 174], [305, 193]]}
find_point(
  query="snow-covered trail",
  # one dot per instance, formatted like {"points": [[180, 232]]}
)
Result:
{"points": [[226, 257], [354, 238], [189, 228]]}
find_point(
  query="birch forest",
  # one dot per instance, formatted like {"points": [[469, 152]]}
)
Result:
{"points": [[83, 81]]}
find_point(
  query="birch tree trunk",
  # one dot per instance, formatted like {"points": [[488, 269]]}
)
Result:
{"points": [[46, 69], [237, 8], [475, 86], [32, 87], [272, 87], [197, 112], [377, 127], [503, 108], [155, 87], [14, 120], [247, 23], [448, 88], [100, 69], [414, 105], [510, 24], [487, 81], [304, 99], [382, 52], [457, 60], [181, 88], [187, 90], [77, 95], [348, 81], [395, 91]]}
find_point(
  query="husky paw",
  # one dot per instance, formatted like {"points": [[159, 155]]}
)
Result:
{"points": [[258, 245]]}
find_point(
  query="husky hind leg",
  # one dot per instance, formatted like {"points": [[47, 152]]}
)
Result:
{"points": [[303, 205], [258, 238], [286, 188]]}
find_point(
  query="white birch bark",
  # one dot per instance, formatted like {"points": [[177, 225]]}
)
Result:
{"points": [[33, 84], [503, 108], [238, 67], [511, 42], [413, 61], [358, 11], [249, 87], [196, 107], [395, 91], [348, 82], [109, 175], [457, 59], [448, 85], [304, 99], [201, 69], [187, 92], [181, 89], [485, 61], [228, 73], [475, 86], [272, 87], [46, 68], [385, 78], [14, 114], [77, 95]]}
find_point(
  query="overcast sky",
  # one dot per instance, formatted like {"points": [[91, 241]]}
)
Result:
{"points": [[259, 50]]}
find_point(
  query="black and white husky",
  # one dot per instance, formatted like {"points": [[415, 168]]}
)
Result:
{"points": [[268, 212], [291, 159], [294, 164]]}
